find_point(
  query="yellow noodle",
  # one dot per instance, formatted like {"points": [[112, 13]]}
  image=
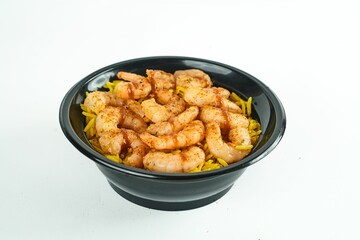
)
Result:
{"points": [[82, 106], [210, 165], [89, 125], [253, 124], [255, 133], [234, 97], [111, 89], [222, 162], [92, 131], [176, 151], [248, 106], [180, 90], [91, 115], [110, 85], [205, 146], [243, 106], [114, 158], [242, 148], [209, 156]]}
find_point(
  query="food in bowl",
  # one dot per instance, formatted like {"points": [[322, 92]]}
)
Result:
{"points": [[169, 122], [175, 191]]}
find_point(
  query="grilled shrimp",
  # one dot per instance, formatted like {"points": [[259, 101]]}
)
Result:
{"points": [[185, 161], [172, 101], [160, 80], [224, 118], [217, 97], [115, 141], [238, 136], [135, 106], [193, 133], [192, 78], [155, 111], [167, 105], [134, 87], [111, 118], [97, 101], [174, 124]]}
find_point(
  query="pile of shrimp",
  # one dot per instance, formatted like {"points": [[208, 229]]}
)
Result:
{"points": [[169, 123]]}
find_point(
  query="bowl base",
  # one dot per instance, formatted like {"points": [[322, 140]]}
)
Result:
{"points": [[169, 206]]}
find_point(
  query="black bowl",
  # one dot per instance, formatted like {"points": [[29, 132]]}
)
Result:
{"points": [[166, 191]]}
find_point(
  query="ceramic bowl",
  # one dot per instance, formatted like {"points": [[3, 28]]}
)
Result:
{"points": [[170, 191]]}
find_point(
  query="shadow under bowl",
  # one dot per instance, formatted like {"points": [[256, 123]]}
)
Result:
{"points": [[170, 191]]}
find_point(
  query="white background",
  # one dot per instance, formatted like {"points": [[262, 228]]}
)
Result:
{"points": [[306, 51]]}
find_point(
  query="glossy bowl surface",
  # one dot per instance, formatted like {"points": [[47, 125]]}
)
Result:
{"points": [[175, 191]]}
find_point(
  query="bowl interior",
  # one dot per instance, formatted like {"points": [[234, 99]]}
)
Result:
{"points": [[267, 108]]}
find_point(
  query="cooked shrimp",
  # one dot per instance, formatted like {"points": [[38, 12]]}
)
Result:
{"points": [[230, 106], [134, 87], [185, 161], [213, 91], [172, 102], [160, 80], [115, 141], [164, 96], [216, 97], [111, 118], [193, 133], [192, 78], [154, 111], [169, 106], [224, 118], [97, 101], [174, 124], [238, 136], [205, 96], [135, 106]]}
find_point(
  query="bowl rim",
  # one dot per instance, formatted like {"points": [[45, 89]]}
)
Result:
{"points": [[270, 144]]}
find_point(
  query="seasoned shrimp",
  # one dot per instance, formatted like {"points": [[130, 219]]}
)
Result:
{"points": [[111, 118], [134, 87], [174, 124], [238, 136], [169, 106], [224, 118], [192, 78], [135, 106], [193, 133], [115, 141], [160, 80], [172, 102], [154, 111], [97, 101], [185, 161], [216, 97], [229, 106], [213, 91]]}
